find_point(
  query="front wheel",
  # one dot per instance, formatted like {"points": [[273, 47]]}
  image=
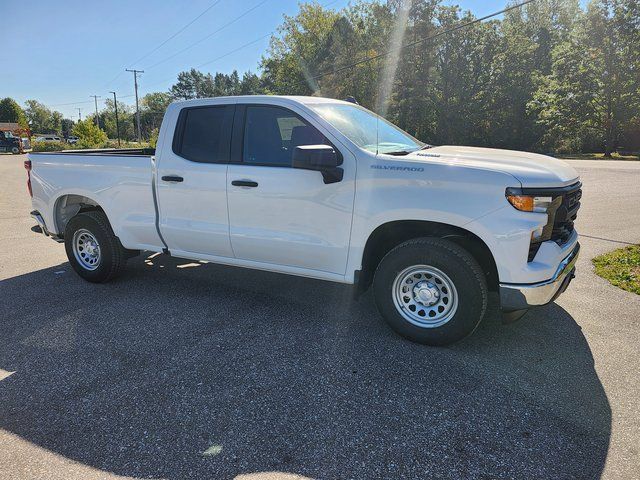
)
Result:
{"points": [[15, 150], [93, 250], [430, 291]]}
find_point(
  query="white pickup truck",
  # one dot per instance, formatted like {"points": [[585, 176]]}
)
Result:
{"points": [[323, 189]]}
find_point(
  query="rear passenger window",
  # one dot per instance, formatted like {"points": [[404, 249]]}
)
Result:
{"points": [[203, 135]]}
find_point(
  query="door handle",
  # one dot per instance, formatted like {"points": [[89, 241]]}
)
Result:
{"points": [[244, 183], [172, 178]]}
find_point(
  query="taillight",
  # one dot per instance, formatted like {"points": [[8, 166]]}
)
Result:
{"points": [[27, 167]]}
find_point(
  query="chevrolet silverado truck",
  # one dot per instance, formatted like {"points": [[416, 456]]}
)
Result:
{"points": [[323, 189]]}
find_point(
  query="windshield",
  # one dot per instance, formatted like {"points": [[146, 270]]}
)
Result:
{"points": [[360, 126]]}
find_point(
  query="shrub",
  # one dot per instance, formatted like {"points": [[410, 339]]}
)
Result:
{"points": [[153, 139], [124, 144], [49, 146], [89, 135]]}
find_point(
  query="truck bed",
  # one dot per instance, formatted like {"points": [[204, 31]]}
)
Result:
{"points": [[119, 181]]}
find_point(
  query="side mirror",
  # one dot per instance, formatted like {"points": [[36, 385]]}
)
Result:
{"points": [[322, 158]]}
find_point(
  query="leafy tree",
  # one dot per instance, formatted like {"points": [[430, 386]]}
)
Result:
{"points": [[156, 101], [192, 84], [360, 33], [592, 91], [297, 50], [10, 111], [251, 84], [89, 135], [66, 126], [42, 119], [153, 107], [195, 84], [126, 120]]}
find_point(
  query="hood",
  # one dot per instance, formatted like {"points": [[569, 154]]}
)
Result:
{"points": [[531, 169]]}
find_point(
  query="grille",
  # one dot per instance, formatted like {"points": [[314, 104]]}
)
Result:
{"points": [[562, 214], [565, 215]]}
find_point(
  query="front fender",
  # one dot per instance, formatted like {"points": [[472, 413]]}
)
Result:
{"points": [[439, 192]]}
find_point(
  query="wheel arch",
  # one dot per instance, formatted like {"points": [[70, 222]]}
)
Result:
{"points": [[391, 234], [68, 206]]}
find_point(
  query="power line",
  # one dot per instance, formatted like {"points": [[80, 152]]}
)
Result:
{"points": [[235, 50], [178, 32], [422, 40], [209, 35], [248, 44], [70, 103], [165, 42], [326, 5]]}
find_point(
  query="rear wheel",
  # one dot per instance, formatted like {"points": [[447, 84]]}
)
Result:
{"points": [[430, 291], [93, 250]]}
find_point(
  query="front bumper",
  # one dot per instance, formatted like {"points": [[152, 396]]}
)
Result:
{"points": [[520, 296]]}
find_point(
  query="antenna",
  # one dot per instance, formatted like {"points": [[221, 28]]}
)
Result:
{"points": [[377, 141]]}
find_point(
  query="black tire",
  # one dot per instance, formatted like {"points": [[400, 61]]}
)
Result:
{"points": [[15, 150], [113, 256], [456, 263]]}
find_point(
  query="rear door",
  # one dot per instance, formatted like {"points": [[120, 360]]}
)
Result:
{"points": [[282, 215], [192, 182]]}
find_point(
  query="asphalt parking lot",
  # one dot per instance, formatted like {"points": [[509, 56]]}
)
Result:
{"points": [[186, 370]]}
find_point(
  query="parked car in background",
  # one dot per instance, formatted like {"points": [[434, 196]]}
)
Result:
{"points": [[10, 143], [72, 139], [323, 189], [48, 138]]}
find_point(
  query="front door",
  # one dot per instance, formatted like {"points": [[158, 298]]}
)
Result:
{"points": [[282, 215], [192, 182]]}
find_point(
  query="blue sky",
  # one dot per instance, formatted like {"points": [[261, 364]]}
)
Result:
{"points": [[62, 52]]}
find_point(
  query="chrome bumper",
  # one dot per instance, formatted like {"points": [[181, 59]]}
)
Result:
{"points": [[520, 296], [38, 218], [42, 227]]}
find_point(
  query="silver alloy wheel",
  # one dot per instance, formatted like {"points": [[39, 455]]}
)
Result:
{"points": [[15, 150], [425, 296], [86, 249]]}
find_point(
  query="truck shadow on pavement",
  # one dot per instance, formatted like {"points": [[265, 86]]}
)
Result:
{"points": [[181, 369]]}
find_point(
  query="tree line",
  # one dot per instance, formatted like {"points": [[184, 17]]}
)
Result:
{"points": [[550, 76]]}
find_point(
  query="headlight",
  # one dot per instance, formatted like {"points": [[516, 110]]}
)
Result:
{"points": [[529, 203]]}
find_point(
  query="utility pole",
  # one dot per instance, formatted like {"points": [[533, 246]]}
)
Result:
{"points": [[79, 116], [135, 83], [96, 97], [115, 104]]}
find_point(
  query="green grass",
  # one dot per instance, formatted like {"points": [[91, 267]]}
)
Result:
{"points": [[621, 267], [597, 156]]}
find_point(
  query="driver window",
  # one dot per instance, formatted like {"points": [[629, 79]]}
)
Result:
{"points": [[271, 135]]}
